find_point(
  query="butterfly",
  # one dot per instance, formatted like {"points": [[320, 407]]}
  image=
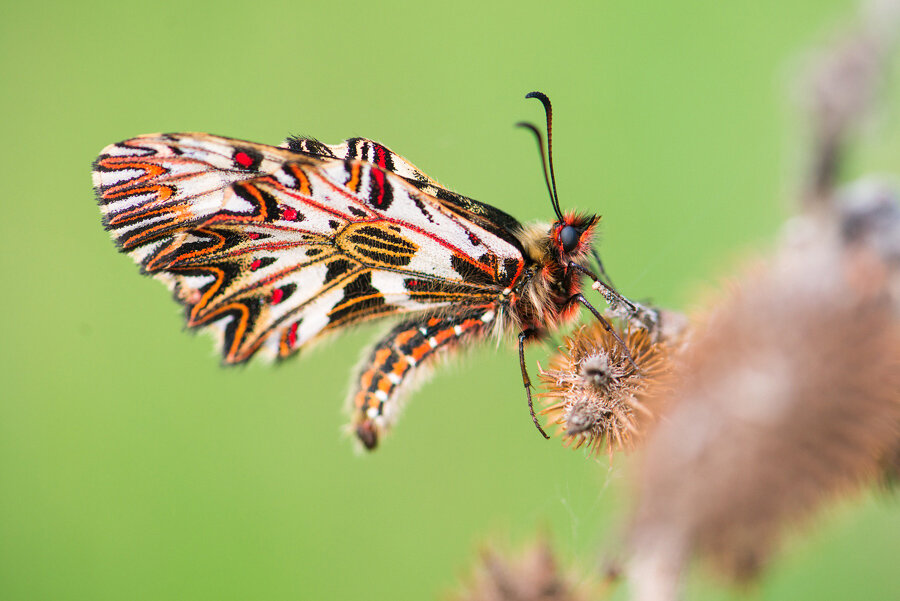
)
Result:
{"points": [[272, 248]]}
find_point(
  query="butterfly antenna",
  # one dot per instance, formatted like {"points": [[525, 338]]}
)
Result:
{"points": [[540, 142], [548, 109]]}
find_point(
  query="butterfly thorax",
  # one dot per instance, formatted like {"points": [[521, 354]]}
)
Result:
{"points": [[541, 299]]}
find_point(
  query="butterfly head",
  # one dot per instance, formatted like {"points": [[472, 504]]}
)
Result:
{"points": [[572, 236]]}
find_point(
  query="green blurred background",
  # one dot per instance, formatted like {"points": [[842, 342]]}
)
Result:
{"points": [[133, 467]]}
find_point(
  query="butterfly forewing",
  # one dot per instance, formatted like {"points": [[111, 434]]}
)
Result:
{"points": [[364, 150], [273, 246], [491, 218]]}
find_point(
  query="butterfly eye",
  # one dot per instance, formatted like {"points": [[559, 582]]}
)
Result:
{"points": [[569, 237]]}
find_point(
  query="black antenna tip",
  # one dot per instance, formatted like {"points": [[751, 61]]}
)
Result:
{"points": [[540, 96]]}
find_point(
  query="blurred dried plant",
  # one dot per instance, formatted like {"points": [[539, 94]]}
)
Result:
{"points": [[788, 393], [892, 467], [869, 214], [534, 575], [842, 88]]}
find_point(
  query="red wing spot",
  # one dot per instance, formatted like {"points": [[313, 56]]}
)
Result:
{"points": [[255, 265], [243, 159], [253, 236], [379, 181], [380, 156], [292, 335], [289, 214], [277, 295]]}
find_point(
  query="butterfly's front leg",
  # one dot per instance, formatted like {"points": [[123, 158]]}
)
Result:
{"points": [[399, 359], [526, 381], [579, 298]]}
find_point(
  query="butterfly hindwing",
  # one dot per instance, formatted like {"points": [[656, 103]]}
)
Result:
{"points": [[273, 247], [396, 359]]}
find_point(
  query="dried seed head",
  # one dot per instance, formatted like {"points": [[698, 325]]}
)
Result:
{"points": [[595, 370], [582, 415], [594, 392]]}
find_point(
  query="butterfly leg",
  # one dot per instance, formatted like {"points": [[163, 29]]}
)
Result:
{"points": [[643, 317], [398, 358], [612, 296], [526, 381], [579, 298]]}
